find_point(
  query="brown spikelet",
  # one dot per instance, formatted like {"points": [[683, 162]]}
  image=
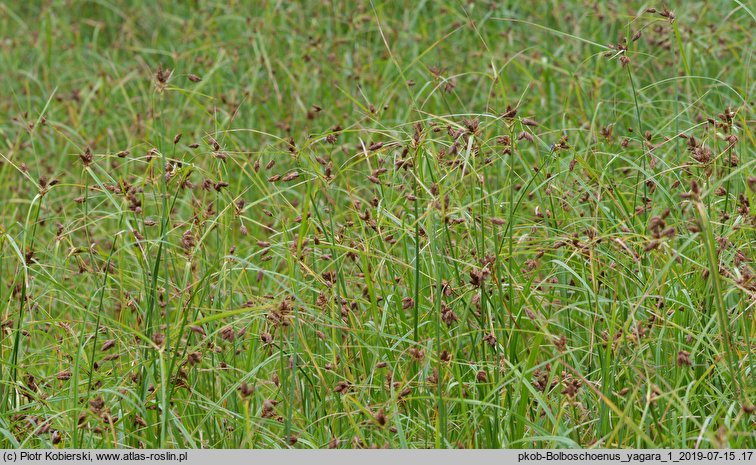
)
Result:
{"points": [[525, 135], [380, 417], [86, 157], [290, 176], [162, 75], [683, 358]]}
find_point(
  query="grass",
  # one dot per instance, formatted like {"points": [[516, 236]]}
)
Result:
{"points": [[435, 224]]}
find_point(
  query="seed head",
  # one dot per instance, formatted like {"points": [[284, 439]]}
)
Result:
{"points": [[380, 417], [683, 358], [245, 390], [86, 157], [525, 135], [161, 77], [194, 358], [290, 176]]}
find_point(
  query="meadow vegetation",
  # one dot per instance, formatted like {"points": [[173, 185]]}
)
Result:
{"points": [[349, 224]]}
